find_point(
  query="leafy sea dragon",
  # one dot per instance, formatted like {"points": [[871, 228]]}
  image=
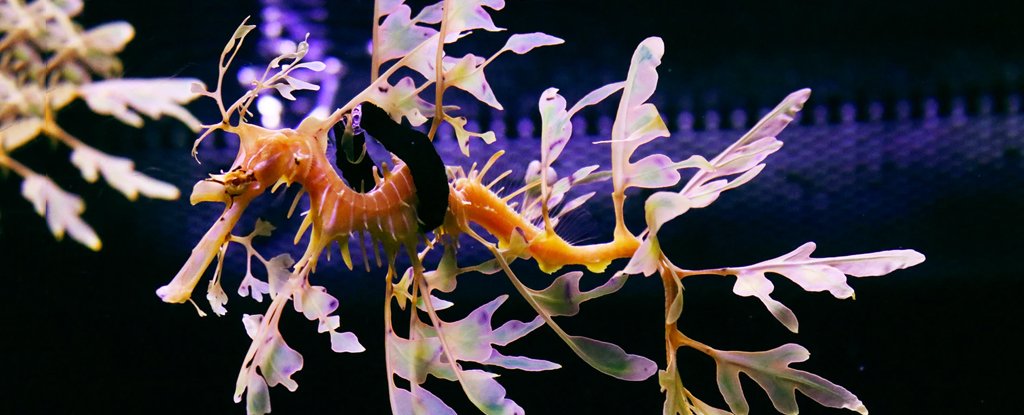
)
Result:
{"points": [[417, 205]]}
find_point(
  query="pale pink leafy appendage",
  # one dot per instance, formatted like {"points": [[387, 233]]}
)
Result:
{"points": [[815, 274], [770, 369], [471, 339], [637, 122]]}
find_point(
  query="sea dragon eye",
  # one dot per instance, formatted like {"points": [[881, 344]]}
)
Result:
{"points": [[411, 146]]}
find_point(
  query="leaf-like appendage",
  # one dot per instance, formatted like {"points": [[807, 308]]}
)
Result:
{"points": [[563, 297], [463, 136], [153, 97], [217, 297], [277, 362], [637, 122], [109, 38], [15, 134], [257, 397], [419, 402], [61, 209], [661, 207], [522, 43], [678, 400], [471, 339], [400, 34], [770, 369], [280, 362], [470, 14], [120, 174], [611, 359], [345, 343], [467, 74], [816, 274], [402, 100], [556, 125], [745, 155], [487, 394]]}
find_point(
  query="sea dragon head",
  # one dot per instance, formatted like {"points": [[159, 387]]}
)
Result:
{"points": [[266, 159]]}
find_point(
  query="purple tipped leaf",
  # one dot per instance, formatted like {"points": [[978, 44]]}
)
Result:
{"points": [[519, 362], [280, 362], [770, 369], [563, 297], [469, 337], [556, 127], [316, 304], [514, 330], [611, 359]]}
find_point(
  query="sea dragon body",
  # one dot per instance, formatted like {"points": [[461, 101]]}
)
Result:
{"points": [[398, 207], [387, 213]]}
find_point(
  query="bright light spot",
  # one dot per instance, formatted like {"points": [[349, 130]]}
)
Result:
{"points": [[320, 112], [270, 111], [334, 65], [286, 46], [273, 29], [246, 75]]}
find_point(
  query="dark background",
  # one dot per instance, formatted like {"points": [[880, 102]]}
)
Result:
{"points": [[938, 169]]}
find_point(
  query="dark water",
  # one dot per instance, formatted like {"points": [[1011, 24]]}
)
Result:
{"points": [[904, 145]]}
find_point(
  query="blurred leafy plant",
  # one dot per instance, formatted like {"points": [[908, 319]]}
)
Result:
{"points": [[46, 62], [511, 230]]}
